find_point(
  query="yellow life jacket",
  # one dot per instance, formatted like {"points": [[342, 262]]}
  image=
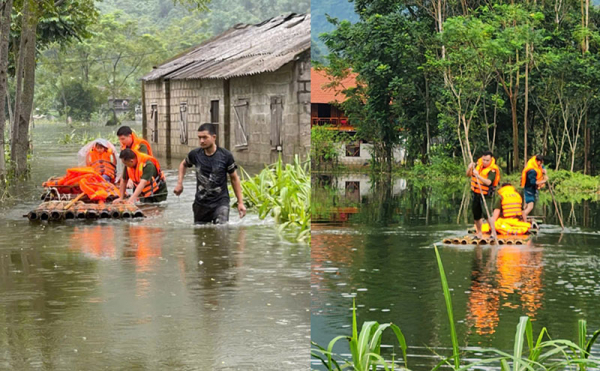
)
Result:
{"points": [[508, 226], [532, 165], [511, 202]]}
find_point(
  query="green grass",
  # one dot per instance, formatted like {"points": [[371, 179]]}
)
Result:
{"points": [[282, 191], [364, 346], [530, 352]]}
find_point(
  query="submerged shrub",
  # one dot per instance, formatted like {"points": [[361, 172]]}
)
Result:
{"points": [[282, 191]]}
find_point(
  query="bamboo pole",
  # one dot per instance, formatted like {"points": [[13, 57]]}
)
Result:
{"points": [[556, 206], [492, 227]]}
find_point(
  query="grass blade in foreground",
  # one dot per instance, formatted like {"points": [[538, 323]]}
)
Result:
{"points": [[455, 349]]}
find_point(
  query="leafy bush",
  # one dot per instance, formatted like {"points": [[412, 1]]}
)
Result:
{"points": [[283, 192], [325, 145], [441, 168], [81, 100]]}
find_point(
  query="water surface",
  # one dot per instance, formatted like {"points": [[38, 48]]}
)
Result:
{"points": [[151, 294], [374, 242]]}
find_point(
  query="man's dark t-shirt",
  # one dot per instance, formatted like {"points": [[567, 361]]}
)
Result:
{"points": [[211, 176], [530, 187]]}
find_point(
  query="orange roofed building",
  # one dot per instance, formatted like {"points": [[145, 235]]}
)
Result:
{"points": [[323, 99], [324, 110]]}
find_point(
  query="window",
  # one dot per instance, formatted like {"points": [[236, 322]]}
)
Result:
{"points": [[154, 120], [353, 149], [353, 191], [183, 129], [241, 109], [214, 111], [276, 122], [324, 110]]}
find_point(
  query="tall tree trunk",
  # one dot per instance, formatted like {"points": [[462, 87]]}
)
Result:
{"points": [[427, 115], [25, 88], [587, 165], [5, 21], [515, 126], [526, 102]]}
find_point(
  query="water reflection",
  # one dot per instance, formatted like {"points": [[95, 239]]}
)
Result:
{"points": [[146, 294], [94, 241], [382, 254], [510, 277]]}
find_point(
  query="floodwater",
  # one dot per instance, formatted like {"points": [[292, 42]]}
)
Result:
{"points": [[374, 242], [155, 294]]}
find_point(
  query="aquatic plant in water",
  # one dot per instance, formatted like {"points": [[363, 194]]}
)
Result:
{"points": [[282, 191], [529, 352]]}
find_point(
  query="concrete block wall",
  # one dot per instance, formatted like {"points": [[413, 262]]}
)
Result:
{"points": [[154, 94], [302, 80], [258, 90], [291, 82], [198, 95]]}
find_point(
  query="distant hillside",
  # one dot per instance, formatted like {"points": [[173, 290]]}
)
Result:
{"points": [[222, 14], [341, 9]]}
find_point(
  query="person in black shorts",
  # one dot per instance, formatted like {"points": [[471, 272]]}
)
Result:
{"points": [[485, 176], [212, 164]]}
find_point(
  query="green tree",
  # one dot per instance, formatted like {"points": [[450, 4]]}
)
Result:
{"points": [[381, 49]]}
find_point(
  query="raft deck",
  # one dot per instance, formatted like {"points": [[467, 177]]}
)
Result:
{"points": [[57, 210]]}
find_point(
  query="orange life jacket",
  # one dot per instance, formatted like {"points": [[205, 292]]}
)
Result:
{"points": [[135, 145], [84, 180], [484, 173], [511, 202], [135, 174], [532, 165], [102, 162]]}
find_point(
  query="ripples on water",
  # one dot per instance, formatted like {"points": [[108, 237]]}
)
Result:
{"points": [[158, 293]]}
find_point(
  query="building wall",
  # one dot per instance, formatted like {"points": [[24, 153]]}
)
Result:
{"points": [[365, 155], [291, 82]]}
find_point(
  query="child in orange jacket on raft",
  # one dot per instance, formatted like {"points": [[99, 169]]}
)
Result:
{"points": [[100, 155]]}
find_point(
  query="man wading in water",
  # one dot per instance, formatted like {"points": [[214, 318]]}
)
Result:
{"points": [[212, 163]]}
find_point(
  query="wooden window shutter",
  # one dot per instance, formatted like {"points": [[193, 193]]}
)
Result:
{"points": [[241, 122], [276, 121]]}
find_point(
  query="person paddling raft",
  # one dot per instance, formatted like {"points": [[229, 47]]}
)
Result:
{"points": [[485, 176], [533, 178]]}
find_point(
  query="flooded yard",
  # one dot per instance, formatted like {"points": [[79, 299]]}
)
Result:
{"points": [[157, 293]]}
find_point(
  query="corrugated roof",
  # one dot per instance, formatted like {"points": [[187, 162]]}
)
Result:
{"points": [[322, 94], [242, 50]]}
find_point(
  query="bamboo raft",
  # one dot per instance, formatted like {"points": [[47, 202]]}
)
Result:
{"points": [[502, 240], [68, 210], [489, 240]]}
